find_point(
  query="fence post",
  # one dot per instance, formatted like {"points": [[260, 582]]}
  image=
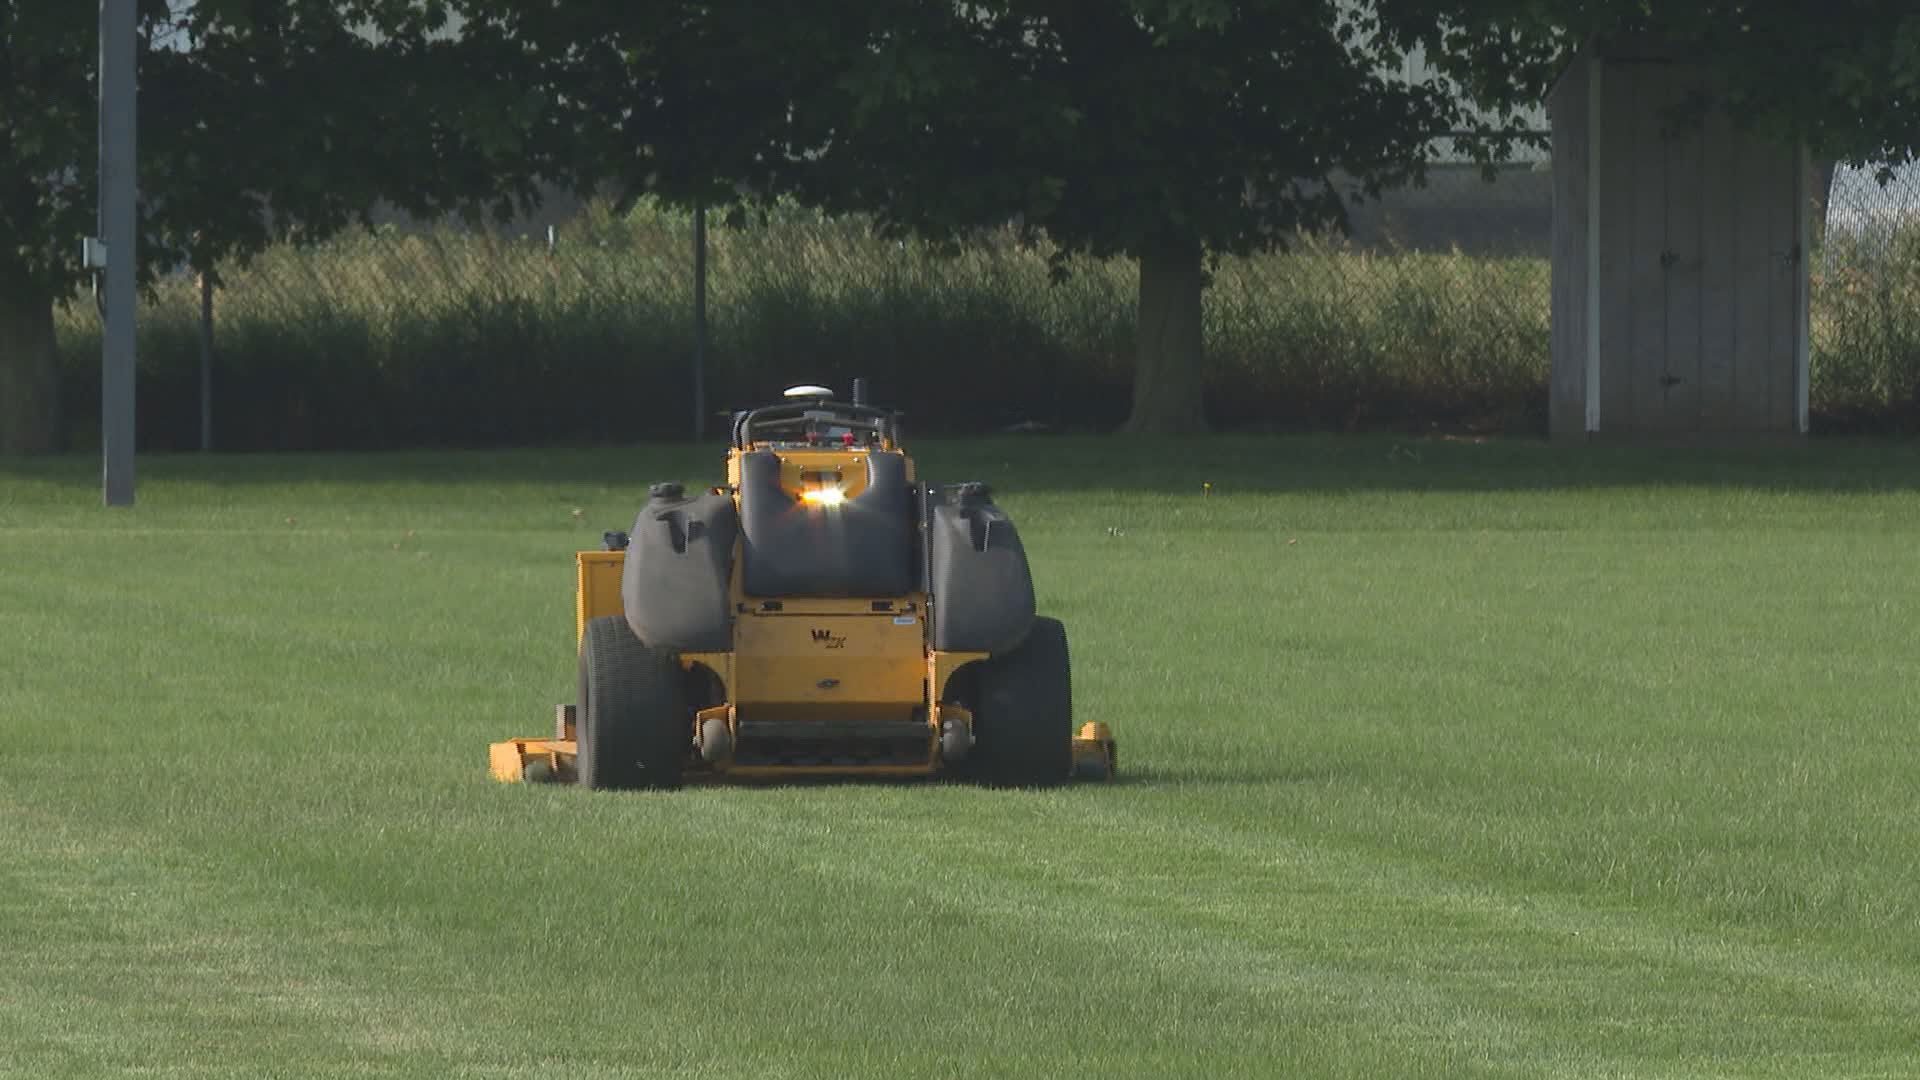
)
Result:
{"points": [[699, 321], [206, 361]]}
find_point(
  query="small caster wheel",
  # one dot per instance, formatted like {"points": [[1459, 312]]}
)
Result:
{"points": [[955, 741], [716, 741], [538, 770]]}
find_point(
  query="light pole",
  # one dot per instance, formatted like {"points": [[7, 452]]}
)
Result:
{"points": [[117, 185]]}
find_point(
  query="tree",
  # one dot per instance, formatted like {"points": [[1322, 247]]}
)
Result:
{"points": [[259, 120], [1168, 131], [45, 135]]}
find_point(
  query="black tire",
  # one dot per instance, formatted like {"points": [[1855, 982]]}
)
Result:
{"points": [[1023, 712], [632, 721]]}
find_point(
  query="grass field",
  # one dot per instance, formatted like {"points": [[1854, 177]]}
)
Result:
{"points": [[1442, 759]]}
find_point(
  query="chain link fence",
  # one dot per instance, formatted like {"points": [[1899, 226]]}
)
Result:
{"points": [[1434, 309], [1865, 319]]}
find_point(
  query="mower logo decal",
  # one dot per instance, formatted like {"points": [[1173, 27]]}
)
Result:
{"points": [[830, 639]]}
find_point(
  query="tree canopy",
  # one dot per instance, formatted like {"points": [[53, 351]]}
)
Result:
{"points": [[693, 103], [1843, 76]]}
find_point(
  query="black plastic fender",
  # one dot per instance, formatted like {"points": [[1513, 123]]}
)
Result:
{"points": [[978, 574], [679, 558]]}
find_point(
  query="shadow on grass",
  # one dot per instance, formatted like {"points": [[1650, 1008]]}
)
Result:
{"points": [[1043, 464], [1129, 778]]}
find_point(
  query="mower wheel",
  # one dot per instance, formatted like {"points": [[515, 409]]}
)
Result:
{"points": [[1023, 718], [632, 721]]}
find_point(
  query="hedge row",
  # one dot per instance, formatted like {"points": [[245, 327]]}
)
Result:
{"points": [[456, 339]]}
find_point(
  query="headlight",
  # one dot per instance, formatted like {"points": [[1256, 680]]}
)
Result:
{"points": [[826, 496]]}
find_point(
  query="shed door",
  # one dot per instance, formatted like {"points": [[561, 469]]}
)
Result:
{"points": [[1713, 246], [1745, 298]]}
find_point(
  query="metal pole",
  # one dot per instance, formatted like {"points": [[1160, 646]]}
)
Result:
{"points": [[117, 185], [699, 322], [206, 361]]}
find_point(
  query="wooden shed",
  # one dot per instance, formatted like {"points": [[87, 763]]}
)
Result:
{"points": [[1679, 260]]}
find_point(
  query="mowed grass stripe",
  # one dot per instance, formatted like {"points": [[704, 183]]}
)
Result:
{"points": [[1443, 787], [1444, 983]]}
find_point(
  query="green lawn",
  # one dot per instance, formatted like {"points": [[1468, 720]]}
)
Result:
{"points": [[1441, 759]]}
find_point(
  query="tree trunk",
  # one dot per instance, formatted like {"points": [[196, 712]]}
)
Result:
{"points": [[1168, 379], [29, 375]]}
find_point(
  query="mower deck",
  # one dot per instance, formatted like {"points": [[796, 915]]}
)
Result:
{"points": [[551, 760]]}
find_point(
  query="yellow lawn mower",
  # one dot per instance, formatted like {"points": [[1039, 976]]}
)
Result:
{"points": [[822, 613]]}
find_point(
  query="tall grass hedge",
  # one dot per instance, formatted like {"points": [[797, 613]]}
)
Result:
{"points": [[1866, 331], [454, 338]]}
